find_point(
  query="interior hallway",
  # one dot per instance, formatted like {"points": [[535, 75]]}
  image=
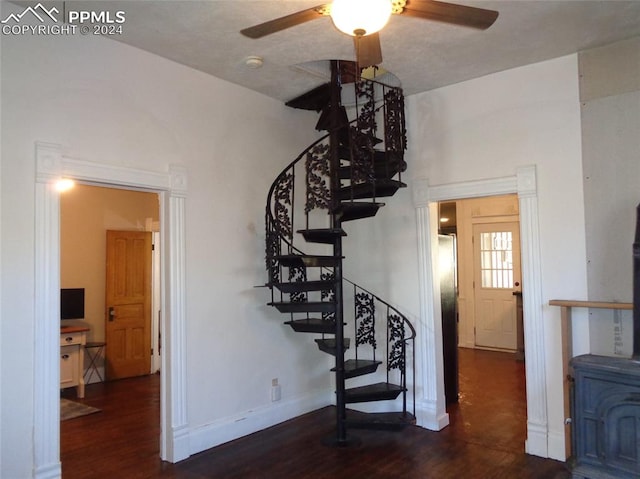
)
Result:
{"points": [[122, 440]]}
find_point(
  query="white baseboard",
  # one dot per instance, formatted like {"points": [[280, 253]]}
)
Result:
{"points": [[232, 427], [181, 448], [536, 443], [52, 471], [427, 416], [557, 447]]}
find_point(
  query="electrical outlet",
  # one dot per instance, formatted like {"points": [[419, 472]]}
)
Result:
{"points": [[276, 393]]}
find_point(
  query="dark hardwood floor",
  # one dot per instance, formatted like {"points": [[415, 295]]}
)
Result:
{"points": [[484, 440]]}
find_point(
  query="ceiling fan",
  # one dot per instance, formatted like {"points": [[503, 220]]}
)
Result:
{"points": [[362, 19]]}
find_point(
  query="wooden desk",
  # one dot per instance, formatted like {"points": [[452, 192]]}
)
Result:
{"points": [[72, 341]]}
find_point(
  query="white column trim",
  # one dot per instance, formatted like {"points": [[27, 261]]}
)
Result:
{"points": [[172, 187], [430, 405], [534, 339], [46, 376], [176, 341], [524, 184]]}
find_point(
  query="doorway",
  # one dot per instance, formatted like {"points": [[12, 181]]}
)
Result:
{"points": [[484, 235], [539, 400], [106, 249], [91, 261], [171, 186]]}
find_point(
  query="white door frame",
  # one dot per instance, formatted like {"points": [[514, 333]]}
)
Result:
{"points": [[156, 304], [171, 186], [431, 408]]}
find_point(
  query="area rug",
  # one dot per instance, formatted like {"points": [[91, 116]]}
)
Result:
{"points": [[70, 409]]}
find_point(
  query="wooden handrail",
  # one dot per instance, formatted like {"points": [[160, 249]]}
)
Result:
{"points": [[571, 303]]}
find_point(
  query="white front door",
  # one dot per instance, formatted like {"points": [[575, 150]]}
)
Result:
{"points": [[496, 256]]}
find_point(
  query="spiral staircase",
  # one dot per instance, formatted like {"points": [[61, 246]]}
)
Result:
{"points": [[340, 178]]}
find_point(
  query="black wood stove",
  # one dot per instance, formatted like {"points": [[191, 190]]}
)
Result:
{"points": [[606, 409]]}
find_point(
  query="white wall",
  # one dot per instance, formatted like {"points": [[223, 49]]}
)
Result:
{"points": [[1, 268], [610, 99], [109, 103], [482, 129]]}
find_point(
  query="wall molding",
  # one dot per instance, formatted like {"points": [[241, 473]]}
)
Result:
{"points": [[425, 197], [52, 165]]}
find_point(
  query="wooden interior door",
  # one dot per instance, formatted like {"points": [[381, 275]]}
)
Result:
{"points": [[128, 304], [496, 277]]}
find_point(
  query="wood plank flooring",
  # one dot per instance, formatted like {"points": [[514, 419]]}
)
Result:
{"points": [[122, 440]]}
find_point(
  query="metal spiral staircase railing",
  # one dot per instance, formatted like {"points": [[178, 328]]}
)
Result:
{"points": [[340, 178]]}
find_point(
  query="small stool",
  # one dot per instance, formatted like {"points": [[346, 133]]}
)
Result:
{"points": [[94, 351]]}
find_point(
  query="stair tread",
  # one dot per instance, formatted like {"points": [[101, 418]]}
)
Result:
{"points": [[315, 99], [303, 256], [328, 345], [381, 172], [328, 122], [355, 210], [307, 260], [382, 386], [344, 152], [358, 363], [373, 392], [380, 157], [308, 303], [322, 235], [379, 420], [304, 306], [361, 135], [299, 286], [359, 367], [313, 325], [334, 231], [379, 188]]}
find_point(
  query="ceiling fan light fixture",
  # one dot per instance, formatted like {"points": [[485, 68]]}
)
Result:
{"points": [[360, 17]]}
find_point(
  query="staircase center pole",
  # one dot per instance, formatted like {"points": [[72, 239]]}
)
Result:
{"points": [[341, 430]]}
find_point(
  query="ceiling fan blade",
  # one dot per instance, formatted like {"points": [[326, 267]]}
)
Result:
{"points": [[451, 13], [287, 21], [368, 50]]}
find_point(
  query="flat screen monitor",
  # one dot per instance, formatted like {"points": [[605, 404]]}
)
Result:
{"points": [[72, 303]]}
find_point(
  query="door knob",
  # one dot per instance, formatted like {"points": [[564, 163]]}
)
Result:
{"points": [[112, 313]]}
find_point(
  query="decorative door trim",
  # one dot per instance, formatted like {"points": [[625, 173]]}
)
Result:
{"points": [[433, 413], [52, 165]]}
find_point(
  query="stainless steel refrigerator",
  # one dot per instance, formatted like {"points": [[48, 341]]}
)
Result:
{"points": [[448, 301]]}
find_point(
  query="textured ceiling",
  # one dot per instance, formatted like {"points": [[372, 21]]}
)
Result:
{"points": [[423, 54]]}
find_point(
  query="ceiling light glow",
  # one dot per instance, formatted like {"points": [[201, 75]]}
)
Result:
{"points": [[360, 17], [64, 184]]}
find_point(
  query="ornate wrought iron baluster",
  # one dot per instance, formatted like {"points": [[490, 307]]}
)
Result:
{"points": [[365, 320], [317, 178], [328, 295], [394, 128], [298, 274], [396, 332]]}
